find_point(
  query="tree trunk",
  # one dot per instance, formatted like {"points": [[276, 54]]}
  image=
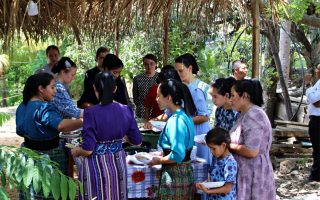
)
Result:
{"points": [[3, 91], [275, 50], [166, 13], [255, 37], [270, 90], [284, 50]]}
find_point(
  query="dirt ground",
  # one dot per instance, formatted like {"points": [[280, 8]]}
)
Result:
{"points": [[291, 181]]}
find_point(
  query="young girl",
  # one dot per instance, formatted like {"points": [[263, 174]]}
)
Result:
{"points": [[225, 116], [176, 140], [223, 167], [104, 171]]}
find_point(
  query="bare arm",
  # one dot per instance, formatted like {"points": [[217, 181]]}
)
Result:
{"points": [[243, 150], [221, 190], [67, 125], [200, 119], [78, 151]]}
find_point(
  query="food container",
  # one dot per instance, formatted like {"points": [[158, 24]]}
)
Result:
{"points": [[151, 137]]}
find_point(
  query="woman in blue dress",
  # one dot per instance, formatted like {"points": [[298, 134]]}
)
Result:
{"points": [[186, 67], [176, 140], [65, 72]]}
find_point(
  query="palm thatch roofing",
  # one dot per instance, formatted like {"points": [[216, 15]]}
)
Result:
{"points": [[99, 18]]}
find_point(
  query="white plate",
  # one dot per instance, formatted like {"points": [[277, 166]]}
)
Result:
{"points": [[133, 159], [158, 124], [143, 157], [213, 184], [70, 136]]}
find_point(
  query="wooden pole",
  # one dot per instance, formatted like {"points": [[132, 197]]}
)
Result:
{"points": [[255, 37], [166, 13]]}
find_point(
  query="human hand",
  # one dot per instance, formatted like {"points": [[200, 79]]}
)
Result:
{"points": [[200, 186], [317, 104], [155, 161], [75, 151], [147, 125]]}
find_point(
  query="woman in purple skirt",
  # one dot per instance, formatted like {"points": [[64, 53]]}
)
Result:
{"points": [[104, 171], [251, 139]]}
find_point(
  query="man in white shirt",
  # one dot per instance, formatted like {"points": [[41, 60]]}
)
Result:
{"points": [[313, 100]]}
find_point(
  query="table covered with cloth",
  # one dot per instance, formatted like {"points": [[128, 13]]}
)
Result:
{"points": [[143, 180]]}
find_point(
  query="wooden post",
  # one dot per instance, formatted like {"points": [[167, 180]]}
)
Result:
{"points": [[166, 13], [255, 37], [116, 39]]}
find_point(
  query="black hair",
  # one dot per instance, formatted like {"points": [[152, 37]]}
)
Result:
{"points": [[252, 87], [224, 85], [111, 61], [217, 136], [150, 57], [168, 72], [105, 85], [54, 47], [187, 60], [179, 93], [32, 84], [101, 50], [65, 63]]}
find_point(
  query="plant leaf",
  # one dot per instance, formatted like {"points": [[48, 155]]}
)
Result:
{"points": [[36, 179], [64, 187], [46, 180], [3, 194], [55, 185], [72, 189], [28, 172], [3, 178]]}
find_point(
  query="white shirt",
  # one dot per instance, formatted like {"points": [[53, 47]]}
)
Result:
{"points": [[313, 95]]}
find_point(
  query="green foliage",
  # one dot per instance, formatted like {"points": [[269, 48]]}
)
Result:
{"points": [[23, 167], [296, 9]]}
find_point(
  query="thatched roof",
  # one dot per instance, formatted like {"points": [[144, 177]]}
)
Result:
{"points": [[100, 18]]}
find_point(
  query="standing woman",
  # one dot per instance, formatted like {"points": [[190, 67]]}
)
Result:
{"points": [[176, 140], [225, 116], [186, 67], [53, 55], [104, 171], [143, 82], [40, 123], [111, 63], [251, 139], [65, 72]]}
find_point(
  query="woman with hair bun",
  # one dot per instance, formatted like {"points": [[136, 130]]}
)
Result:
{"points": [[65, 71], [251, 139], [104, 171], [176, 140]]}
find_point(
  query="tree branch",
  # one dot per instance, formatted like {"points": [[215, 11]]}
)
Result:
{"points": [[310, 20]]}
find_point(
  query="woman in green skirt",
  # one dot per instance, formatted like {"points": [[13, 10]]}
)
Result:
{"points": [[176, 140]]}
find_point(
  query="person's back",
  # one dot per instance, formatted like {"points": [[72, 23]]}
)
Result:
{"points": [[105, 125]]}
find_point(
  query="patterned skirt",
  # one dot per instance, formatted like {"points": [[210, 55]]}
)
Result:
{"points": [[176, 182], [104, 177]]}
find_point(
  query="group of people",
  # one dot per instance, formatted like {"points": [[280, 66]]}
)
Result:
{"points": [[237, 148]]}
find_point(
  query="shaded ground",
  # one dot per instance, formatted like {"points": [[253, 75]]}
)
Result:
{"points": [[290, 186]]}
